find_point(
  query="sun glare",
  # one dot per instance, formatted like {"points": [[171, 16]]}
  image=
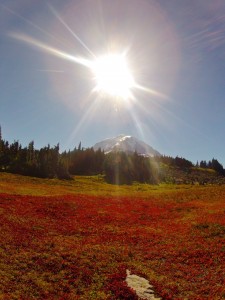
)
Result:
{"points": [[113, 76]]}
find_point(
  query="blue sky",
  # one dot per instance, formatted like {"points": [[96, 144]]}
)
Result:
{"points": [[173, 47]]}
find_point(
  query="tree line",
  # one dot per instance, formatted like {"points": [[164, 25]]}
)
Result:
{"points": [[117, 167], [211, 164], [45, 163]]}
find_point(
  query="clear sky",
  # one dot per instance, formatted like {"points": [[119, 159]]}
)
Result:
{"points": [[175, 50]]}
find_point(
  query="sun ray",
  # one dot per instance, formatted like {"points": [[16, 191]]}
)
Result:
{"points": [[112, 75], [151, 91], [137, 122], [70, 30], [86, 118], [56, 52], [111, 71], [29, 22]]}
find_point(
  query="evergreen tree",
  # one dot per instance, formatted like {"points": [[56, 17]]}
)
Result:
{"points": [[218, 167]]}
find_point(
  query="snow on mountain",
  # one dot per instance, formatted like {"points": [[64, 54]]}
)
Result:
{"points": [[126, 143]]}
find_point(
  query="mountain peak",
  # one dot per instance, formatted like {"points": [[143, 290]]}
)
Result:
{"points": [[126, 143]]}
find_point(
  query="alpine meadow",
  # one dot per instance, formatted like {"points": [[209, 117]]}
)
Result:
{"points": [[112, 162], [76, 239]]}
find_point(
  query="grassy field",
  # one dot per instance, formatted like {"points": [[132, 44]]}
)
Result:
{"points": [[75, 239]]}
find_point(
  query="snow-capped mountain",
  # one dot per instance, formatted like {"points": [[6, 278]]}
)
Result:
{"points": [[126, 143]]}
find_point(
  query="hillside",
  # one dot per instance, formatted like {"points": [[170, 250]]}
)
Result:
{"points": [[192, 175]]}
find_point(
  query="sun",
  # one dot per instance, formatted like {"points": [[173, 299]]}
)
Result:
{"points": [[113, 76]]}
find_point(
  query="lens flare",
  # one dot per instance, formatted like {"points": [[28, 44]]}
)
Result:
{"points": [[107, 67], [113, 76]]}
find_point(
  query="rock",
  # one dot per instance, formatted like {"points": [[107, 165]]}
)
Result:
{"points": [[141, 286]]}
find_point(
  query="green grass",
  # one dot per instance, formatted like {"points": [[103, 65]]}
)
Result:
{"points": [[90, 185], [204, 170]]}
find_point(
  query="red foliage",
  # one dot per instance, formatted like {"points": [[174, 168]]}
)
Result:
{"points": [[69, 246], [118, 287]]}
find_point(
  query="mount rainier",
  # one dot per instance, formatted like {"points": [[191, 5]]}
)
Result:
{"points": [[126, 143]]}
